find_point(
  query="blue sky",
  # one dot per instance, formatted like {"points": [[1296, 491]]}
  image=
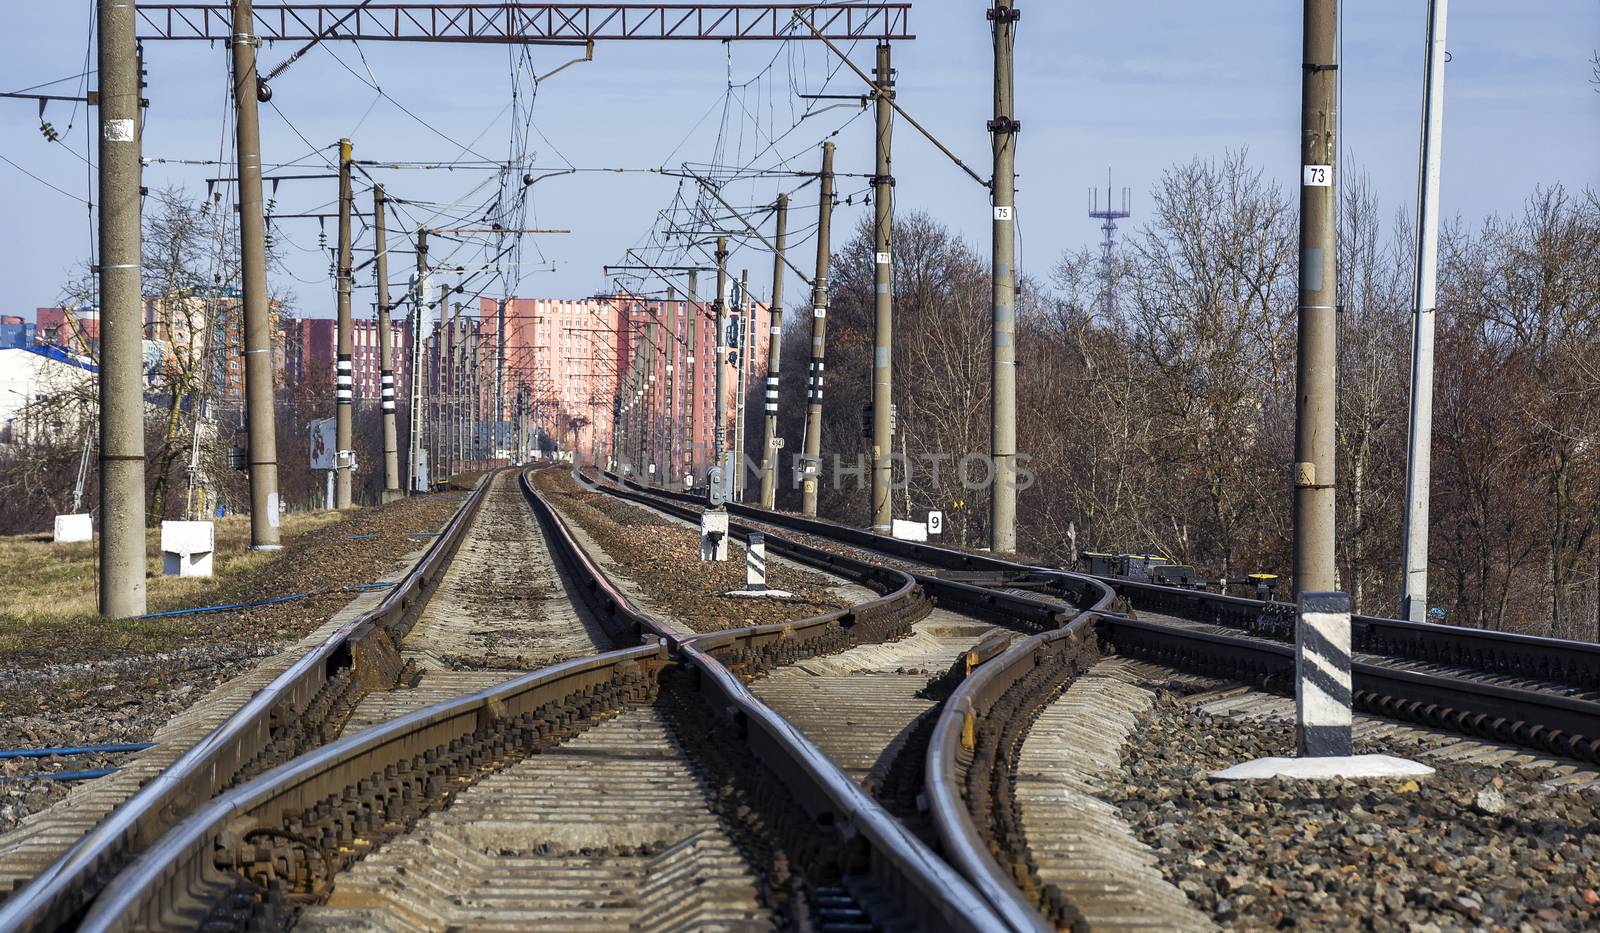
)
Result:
{"points": [[1136, 87]]}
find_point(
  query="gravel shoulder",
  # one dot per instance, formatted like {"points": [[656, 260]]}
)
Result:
{"points": [[1474, 846], [96, 690]]}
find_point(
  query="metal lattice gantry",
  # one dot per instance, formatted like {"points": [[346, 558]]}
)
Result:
{"points": [[530, 22]]}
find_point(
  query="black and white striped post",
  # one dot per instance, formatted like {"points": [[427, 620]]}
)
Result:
{"points": [[755, 563], [1322, 675]]}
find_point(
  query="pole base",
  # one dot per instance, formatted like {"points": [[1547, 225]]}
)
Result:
{"points": [[266, 547], [1323, 769], [391, 495]]}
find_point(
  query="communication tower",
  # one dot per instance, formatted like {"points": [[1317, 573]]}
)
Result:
{"points": [[1109, 228]]}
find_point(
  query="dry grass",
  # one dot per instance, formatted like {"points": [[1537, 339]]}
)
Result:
{"points": [[48, 591]]}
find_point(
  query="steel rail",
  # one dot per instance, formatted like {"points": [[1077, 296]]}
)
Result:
{"points": [[921, 886], [1532, 718], [147, 895], [1555, 660], [56, 895]]}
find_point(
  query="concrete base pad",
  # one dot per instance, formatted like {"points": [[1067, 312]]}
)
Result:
{"points": [[1318, 769], [757, 594]]}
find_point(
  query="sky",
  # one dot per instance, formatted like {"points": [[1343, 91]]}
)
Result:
{"points": [[1133, 88]]}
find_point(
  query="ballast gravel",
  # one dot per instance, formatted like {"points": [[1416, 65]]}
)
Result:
{"points": [[662, 557], [1469, 848]]}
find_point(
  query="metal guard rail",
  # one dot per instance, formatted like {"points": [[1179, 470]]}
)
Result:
{"points": [[57, 894]]}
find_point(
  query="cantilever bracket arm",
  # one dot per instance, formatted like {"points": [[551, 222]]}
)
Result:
{"points": [[897, 108], [712, 190]]}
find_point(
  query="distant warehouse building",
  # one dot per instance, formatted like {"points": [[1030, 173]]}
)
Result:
{"points": [[46, 394]]}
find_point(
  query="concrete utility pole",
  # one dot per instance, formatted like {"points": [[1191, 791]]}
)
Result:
{"points": [[499, 377], [883, 318], [692, 376], [391, 444], [344, 385], [719, 430], [122, 580], [742, 315], [1314, 567], [769, 430], [1003, 419], [419, 374], [647, 383], [669, 462], [448, 383], [811, 458], [1414, 601], [258, 369]]}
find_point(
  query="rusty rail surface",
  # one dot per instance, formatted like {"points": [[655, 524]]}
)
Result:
{"points": [[59, 894], [174, 880]]}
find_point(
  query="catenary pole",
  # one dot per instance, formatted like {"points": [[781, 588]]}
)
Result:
{"points": [[669, 439], [391, 446], [1003, 397], [344, 385], [122, 513], [811, 456], [769, 429], [1314, 568], [419, 372], [741, 314], [883, 287], [692, 376], [647, 382], [499, 377], [258, 365], [719, 430], [1414, 602]]}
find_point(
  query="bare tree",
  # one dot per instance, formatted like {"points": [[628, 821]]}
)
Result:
{"points": [[1374, 295]]}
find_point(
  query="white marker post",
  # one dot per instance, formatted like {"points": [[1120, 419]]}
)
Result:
{"points": [[755, 570], [755, 563], [1322, 695], [1323, 701]]}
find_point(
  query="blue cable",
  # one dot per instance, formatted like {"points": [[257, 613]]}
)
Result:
{"points": [[261, 602], [63, 775], [75, 750], [249, 605]]}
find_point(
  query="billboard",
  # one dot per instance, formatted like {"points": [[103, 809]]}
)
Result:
{"points": [[322, 444]]}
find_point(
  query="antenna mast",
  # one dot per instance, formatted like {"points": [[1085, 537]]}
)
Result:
{"points": [[1109, 228]]}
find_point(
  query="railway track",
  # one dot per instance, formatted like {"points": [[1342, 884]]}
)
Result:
{"points": [[1489, 692], [258, 720], [732, 818]]}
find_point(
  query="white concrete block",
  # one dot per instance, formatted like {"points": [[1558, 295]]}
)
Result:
{"points": [[1324, 768], [909, 531], [78, 527], [187, 548], [713, 535]]}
